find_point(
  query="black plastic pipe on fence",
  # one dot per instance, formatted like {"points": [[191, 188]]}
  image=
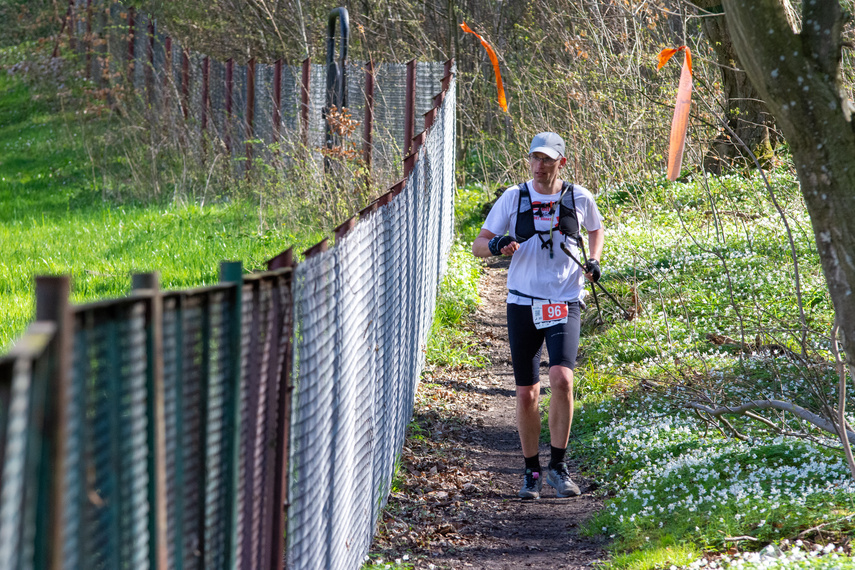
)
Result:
{"points": [[336, 95]]}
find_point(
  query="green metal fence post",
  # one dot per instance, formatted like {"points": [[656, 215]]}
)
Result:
{"points": [[156, 421], [52, 304], [232, 272]]}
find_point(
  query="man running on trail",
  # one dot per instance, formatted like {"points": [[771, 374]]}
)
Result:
{"points": [[545, 291]]}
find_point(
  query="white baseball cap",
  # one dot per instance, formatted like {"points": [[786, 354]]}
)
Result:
{"points": [[549, 144]]}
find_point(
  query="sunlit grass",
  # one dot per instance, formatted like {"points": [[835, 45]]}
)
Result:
{"points": [[449, 343], [53, 220]]}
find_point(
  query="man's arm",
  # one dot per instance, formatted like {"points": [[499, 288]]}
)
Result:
{"points": [[595, 243], [481, 247], [595, 250]]}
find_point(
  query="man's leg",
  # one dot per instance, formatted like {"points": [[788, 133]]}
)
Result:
{"points": [[562, 342], [528, 418], [526, 342], [528, 426], [560, 405]]}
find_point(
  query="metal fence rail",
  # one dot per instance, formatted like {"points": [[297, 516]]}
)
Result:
{"points": [[162, 430]]}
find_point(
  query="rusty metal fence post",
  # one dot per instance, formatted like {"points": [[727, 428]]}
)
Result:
{"points": [[368, 122], [206, 71], [409, 107], [250, 111], [304, 103], [232, 272], [52, 305], [227, 126]]}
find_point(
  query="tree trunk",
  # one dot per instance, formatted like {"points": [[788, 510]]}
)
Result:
{"points": [[797, 76], [745, 111]]}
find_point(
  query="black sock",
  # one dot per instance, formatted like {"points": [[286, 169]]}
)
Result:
{"points": [[557, 455], [533, 463]]}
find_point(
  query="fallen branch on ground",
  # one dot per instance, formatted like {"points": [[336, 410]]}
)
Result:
{"points": [[744, 410]]}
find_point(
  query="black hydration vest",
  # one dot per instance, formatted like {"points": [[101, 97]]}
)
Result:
{"points": [[568, 222]]}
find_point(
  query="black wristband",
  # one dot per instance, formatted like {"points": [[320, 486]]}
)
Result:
{"points": [[498, 243]]}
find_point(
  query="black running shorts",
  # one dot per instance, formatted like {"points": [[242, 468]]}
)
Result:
{"points": [[562, 342]]}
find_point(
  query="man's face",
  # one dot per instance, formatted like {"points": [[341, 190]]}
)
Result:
{"points": [[544, 168]]}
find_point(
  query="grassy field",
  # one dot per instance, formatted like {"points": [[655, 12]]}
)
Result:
{"points": [[54, 220]]}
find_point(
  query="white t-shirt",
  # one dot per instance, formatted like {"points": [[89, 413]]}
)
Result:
{"points": [[532, 271]]}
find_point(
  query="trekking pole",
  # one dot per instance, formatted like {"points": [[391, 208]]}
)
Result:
{"points": [[626, 314], [593, 289]]}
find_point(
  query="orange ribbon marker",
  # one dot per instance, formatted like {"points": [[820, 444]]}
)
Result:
{"points": [[502, 101], [680, 122]]}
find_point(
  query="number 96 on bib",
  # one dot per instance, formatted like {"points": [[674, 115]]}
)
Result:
{"points": [[546, 313]]}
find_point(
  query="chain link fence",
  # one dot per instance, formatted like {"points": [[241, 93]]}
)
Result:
{"points": [[249, 424], [363, 312]]}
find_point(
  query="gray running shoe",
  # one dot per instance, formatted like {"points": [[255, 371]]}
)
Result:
{"points": [[559, 478], [531, 485]]}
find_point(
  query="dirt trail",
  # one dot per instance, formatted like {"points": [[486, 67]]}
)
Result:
{"points": [[457, 505]]}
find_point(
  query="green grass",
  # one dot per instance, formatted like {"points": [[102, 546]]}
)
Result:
{"points": [[662, 556], [449, 344], [53, 219]]}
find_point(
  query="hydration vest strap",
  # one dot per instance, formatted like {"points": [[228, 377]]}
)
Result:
{"points": [[524, 228], [519, 294]]}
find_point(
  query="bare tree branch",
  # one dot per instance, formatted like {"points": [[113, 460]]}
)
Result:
{"points": [[797, 411], [841, 401]]}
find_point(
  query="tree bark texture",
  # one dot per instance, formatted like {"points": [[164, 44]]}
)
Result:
{"points": [[797, 76], [745, 111]]}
